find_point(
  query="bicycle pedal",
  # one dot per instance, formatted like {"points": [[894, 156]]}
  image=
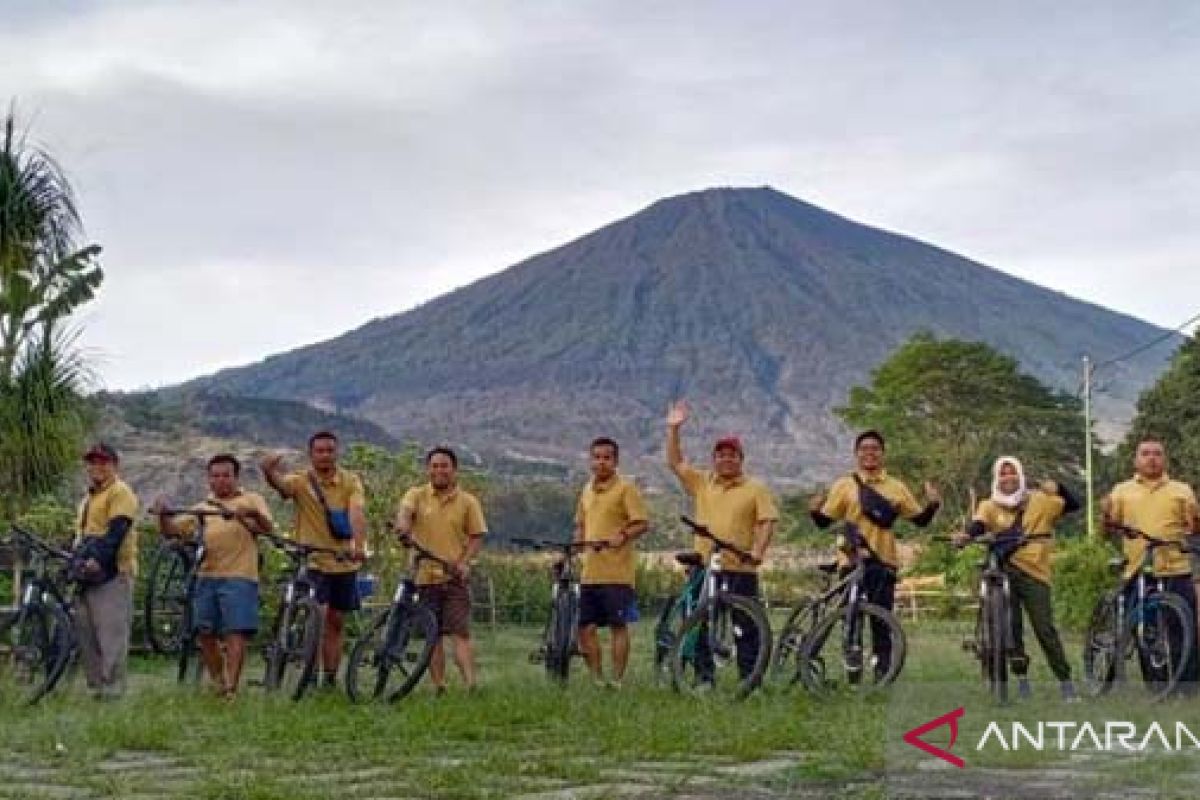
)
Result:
{"points": [[537, 657]]}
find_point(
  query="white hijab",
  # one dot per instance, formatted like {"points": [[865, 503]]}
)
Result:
{"points": [[1016, 498]]}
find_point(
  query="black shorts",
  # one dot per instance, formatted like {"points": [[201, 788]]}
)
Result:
{"points": [[338, 590], [606, 605]]}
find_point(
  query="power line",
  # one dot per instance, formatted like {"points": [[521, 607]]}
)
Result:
{"points": [[1157, 340]]}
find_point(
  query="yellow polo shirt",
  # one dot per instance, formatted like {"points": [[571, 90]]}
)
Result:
{"points": [[230, 549], [730, 509], [343, 490], [443, 524], [101, 507], [604, 509], [1157, 508], [1042, 512], [842, 504]]}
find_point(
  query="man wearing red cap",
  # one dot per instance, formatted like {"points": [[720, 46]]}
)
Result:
{"points": [[106, 557], [738, 509]]}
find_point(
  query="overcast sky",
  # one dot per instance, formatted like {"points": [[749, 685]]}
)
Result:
{"points": [[268, 174]]}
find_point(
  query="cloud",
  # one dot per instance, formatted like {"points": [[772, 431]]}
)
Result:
{"points": [[294, 169]]}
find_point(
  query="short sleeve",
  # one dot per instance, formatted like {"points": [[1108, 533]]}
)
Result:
{"points": [[476, 524], [259, 504], [124, 503], [358, 496], [409, 501], [691, 478], [764, 505], [907, 503]]}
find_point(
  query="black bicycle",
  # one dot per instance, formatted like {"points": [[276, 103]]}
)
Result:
{"points": [[784, 672], [993, 642], [560, 639], [842, 648], [39, 644], [719, 624], [186, 649], [166, 600], [391, 656], [293, 649], [1141, 617]]}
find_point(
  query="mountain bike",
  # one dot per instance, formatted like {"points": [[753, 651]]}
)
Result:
{"points": [[717, 627], [187, 650], [390, 657], [39, 644], [1139, 616], [560, 639], [293, 648], [784, 672], [993, 642], [166, 601], [841, 650]]}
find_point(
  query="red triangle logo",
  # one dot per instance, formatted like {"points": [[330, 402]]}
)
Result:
{"points": [[951, 718]]}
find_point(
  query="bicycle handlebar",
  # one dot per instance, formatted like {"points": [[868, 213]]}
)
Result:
{"points": [[37, 543], [569, 546], [300, 550], [704, 533], [1154, 542], [191, 512], [408, 541]]}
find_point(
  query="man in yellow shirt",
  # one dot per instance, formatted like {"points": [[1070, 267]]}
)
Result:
{"points": [[1165, 509], [330, 513], [610, 512], [1016, 510], [447, 521], [870, 501], [225, 606], [106, 549], [737, 509]]}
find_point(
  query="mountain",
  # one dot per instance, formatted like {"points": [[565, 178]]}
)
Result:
{"points": [[762, 309]]}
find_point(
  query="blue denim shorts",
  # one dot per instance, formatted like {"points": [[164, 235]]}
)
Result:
{"points": [[226, 605]]}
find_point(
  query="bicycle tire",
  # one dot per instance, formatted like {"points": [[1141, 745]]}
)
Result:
{"points": [[666, 631], [166, 599], [813, 673], [560, 637], [1167, 604], [34, 653], [997, 651], [1101, 647], [785, 655], [292, 658], [727, 603], [382, 652]]}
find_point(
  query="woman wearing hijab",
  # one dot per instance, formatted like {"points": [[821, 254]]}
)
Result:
{"points": [[1016, 509]]}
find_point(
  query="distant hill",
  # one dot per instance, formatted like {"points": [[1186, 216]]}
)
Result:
{"points": [[763, 309]]}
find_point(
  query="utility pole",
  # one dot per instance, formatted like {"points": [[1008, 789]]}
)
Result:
{"points": [[1087, 444]]}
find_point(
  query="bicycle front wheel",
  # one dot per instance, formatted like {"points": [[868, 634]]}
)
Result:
{"points": [[292, 654], [1162, 632], [391, 656], [34, 648], [1101, 646], [861, 651], [785, 657], [995, 638], [561, 635], [723, 646], [166, 600]]}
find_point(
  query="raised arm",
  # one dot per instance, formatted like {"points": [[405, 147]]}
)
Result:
{"points": [[272, 470]]}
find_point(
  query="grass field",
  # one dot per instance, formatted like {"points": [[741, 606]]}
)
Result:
{"points": [[519, 736]]}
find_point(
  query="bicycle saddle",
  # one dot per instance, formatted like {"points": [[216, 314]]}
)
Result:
{"points": [[828, 567], [689, 559]]}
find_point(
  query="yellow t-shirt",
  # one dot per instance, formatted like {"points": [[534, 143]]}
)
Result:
{"points": [[842, 504], [730, 509], [604, 509], [101, 507], [443, 524], [1042, 512], [1160, 509], [343, 490], [230, 549]]}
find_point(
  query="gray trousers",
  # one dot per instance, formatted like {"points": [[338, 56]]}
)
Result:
{"points": [[105, 618]]}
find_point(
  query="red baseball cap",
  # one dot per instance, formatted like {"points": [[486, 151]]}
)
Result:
{"points": [[101, 451], [731, 443]]}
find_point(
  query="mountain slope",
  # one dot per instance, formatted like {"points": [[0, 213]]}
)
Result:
{"points": [[760, 307]]}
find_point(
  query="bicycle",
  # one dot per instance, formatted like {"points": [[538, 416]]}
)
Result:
{"points": [[993, 642], [187, 649], [293, 648], [861, 626], [714, 625], [398, 643], [1140, 615], [165, 602], [560, 639], [798, 627], [39, 644]]}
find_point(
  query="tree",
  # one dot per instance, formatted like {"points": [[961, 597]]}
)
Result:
{"points": [[1170, 410], [948, 408], [44, 276]]}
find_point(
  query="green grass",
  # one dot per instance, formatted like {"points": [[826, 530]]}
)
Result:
{"points": [[515, 731]]}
